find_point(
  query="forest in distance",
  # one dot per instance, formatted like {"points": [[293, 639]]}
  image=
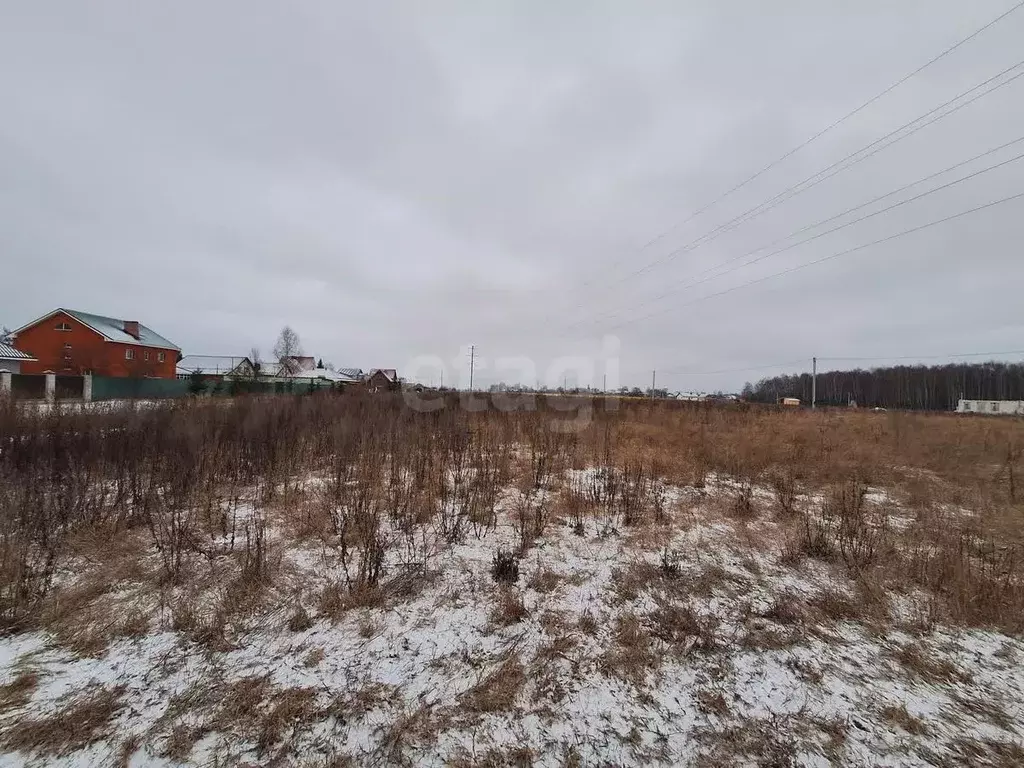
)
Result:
{"points": [[914, 387]]}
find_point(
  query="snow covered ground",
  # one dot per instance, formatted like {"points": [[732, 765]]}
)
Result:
{"points": [[689, 642]]}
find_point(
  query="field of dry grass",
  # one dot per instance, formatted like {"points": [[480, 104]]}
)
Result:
{"points": [[346, 581]]}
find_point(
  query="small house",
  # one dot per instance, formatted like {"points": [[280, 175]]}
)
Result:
{"points": [[992, 407], [382, 380]]}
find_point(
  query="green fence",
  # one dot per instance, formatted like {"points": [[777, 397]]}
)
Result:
{"points": [[111, 388], [126, 388]]}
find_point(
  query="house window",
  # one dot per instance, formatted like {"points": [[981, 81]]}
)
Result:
{"points": [[129, 354], [160, 356], [63, 327], [145, 355]]}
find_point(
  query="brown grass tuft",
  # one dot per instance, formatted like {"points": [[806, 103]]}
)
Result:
{"points": [[544, 580], [497, 691], [901, 718], [631, 654], [509, 607], [289, 710], [314, 658], [921, 663], [85, 719], [17, 693]]}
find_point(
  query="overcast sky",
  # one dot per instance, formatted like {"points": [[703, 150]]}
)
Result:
{"points": [[397, 181]]}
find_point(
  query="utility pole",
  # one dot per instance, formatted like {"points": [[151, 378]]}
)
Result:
{"points": [[472, 362], [604, 384], [442, 378], [814, 383], [653, 375]]}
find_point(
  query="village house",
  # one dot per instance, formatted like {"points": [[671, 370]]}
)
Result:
{"points": [[70, 342], [992, 407], [382, 380]]}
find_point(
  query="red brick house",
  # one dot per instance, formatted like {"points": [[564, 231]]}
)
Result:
{"points": [[69, 342]]}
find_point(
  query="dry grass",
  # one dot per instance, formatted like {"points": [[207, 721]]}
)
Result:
{"points": [[680, 627], [85, 719], [299, 620], [509, 607], [544, 580], [897, 715], [290, 709], [206, 462], [922, 664], [494, 757], [314, 658], [146, 507], [630, 654], [767, 743], [366, 698], [711, 702], [498, 690], [17, 693]]}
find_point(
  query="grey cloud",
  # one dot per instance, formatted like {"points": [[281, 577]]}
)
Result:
{"points": [[396, 180]]}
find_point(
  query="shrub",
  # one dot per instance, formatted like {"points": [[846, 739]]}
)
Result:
{"points": [[505, 566]]}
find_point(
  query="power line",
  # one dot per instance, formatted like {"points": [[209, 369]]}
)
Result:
{"points": [[925, 357], [692, 282], [835, 168], [823, 131], [767, 366], [822, 259], [823, 221]]}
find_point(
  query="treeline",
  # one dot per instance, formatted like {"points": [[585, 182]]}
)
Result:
{"points": [[918, 387]]}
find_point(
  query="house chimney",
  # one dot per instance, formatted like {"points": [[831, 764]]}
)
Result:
{"points": [[131, 327]]}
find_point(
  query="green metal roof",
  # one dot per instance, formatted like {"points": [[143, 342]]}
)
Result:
{"points": [[112, 329]]}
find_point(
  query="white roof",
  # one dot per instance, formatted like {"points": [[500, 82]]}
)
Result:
{"points": [[209, 364], [274, 369], [323, 373], [7, 352]]}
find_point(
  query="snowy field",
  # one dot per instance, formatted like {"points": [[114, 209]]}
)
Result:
{"points": [[700, 638]]}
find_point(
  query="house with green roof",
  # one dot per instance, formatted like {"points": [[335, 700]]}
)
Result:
{"points": [[70, 342]]}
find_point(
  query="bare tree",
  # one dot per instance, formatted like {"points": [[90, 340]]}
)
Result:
{"points": [[287, 348], [5, 335], [257, 363]]}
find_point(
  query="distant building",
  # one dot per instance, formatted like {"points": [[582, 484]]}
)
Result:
{"points": [[323, 374], [70, 342], [791, 402], [382, 380], [213, 367], [695, 397], [992, 407]]}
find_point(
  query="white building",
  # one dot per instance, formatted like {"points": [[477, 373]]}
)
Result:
{"points": [[993, 407]]}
